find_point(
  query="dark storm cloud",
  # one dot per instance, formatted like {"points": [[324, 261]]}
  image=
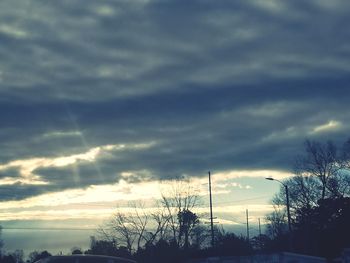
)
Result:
{"points": [[19, 191], [135, 50], [215, 84]]}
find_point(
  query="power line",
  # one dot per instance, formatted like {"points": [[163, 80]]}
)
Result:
{"points": [[239, 200]]}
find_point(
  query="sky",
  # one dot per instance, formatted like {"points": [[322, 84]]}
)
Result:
{"points": [[106, 102]]}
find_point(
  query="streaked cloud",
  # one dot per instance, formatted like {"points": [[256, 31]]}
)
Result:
{"points": [[252, 173], [62, 134], [26, 174], [332, 125], [13, 31]]}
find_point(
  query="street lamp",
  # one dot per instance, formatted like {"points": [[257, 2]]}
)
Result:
{"points": [[287, 196]]}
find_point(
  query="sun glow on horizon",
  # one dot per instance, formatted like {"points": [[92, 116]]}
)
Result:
{"points": [[97, 201]]}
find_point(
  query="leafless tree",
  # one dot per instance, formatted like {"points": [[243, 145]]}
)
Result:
{"points": [[277, 222], [128, 230], [320, 161], [200, 236], [18, 255], [1, 242], [139, 227], [179, 198], [322, 172], [161, 230]]}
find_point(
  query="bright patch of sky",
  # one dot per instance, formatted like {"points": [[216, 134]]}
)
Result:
{"points": [[332, 125]]}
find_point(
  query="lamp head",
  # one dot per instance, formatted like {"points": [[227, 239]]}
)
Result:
{"points": [[269, 178]]}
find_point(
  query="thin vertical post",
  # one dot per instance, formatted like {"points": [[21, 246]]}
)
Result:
{"points": [[211, 213], [260, 239], [259, 227], [288, 210], [247, 224], [290, 236]]}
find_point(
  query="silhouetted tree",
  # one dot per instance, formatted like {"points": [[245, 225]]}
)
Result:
{"points": [[322, 172], [7, 259], [180, 197], [277, 223], [129, 229], [328, 165], [326, 230], [317, 194], [321, 162], [35, 256], [200, 236], [172, 221], [263, 243], [105, 247], [226, 244], [161, 251], [1, 242], [187, 222], [76, 251], [231, 245], [17, 255], [160, 232]]}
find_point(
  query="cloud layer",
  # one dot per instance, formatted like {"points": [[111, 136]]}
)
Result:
{"points": [[164, 89]]}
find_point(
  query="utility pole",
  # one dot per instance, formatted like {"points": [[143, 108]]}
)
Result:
{"points": [[211, 213], [288, 210], [260, 243], [287, 201], [290, 236], [246, 211]]}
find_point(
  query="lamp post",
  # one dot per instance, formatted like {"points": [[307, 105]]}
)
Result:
{"points": [[287, 197]]}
